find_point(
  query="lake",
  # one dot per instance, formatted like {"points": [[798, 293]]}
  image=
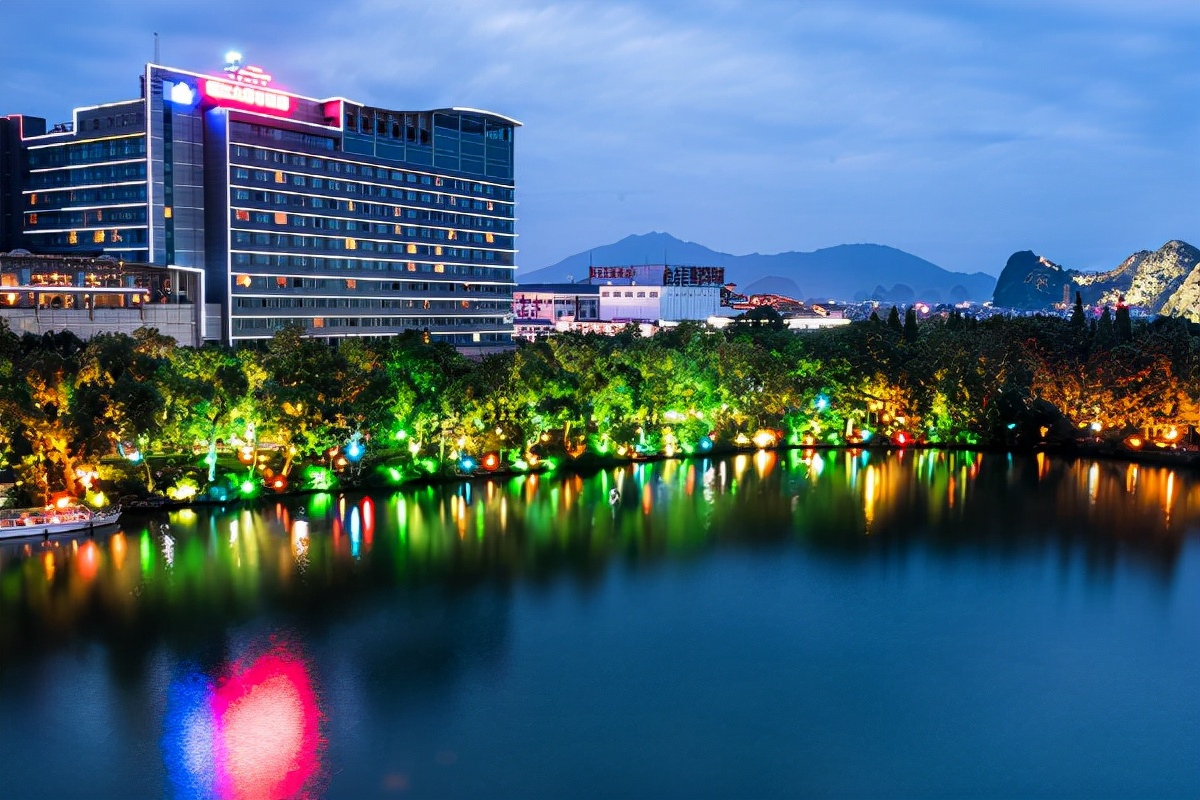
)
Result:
{"points": [[779, 624]]}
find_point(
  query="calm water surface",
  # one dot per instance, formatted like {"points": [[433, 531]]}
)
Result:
{"points": [[849, 625]]}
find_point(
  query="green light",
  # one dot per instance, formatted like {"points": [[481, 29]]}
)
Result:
{"points": [[551, 464], [247, 488], [394, 474], [401, 435], [430, 465]]}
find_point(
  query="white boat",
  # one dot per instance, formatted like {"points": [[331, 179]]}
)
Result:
{"points": [[51, 520]]}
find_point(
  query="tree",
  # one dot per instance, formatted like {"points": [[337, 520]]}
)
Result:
{"points": [[893, 321], [1123, 325], [911, 331], [1078, 320]]}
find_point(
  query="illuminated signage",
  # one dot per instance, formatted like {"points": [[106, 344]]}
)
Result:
{"points": [[247, 96]]}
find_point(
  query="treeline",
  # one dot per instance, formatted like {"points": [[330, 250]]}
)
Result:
{"points": [[67, 407]]}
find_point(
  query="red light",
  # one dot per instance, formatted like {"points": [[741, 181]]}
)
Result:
{"points": [[491, 462], [255, 98], [279, 483], [901, 438]]}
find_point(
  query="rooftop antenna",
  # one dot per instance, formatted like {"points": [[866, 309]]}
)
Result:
{"points": [[156, 47]]}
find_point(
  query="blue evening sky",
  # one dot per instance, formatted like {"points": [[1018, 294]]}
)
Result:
{"points": [[958, 131]]}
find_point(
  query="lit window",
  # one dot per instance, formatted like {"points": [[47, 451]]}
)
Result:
{"points": [[439, 267], [318, 322], [351, 283], [116, 235], [33, 199], [351, 244], [411, 249], [452, 235], [350, 205], [72, 238], [242, 216], [437, 250], [489, 238], [167, 212], [98, 237], [279, 177], [281, 283], [280, 218], [33, 219], [243, 281], [412, 267], [397, 230]]}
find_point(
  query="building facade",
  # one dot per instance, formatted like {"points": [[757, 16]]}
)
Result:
{"points": [[658, 292], [555, 301], [344, 218]]}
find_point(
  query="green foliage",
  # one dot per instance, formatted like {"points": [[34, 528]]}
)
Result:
{"points": [[65, 405]]}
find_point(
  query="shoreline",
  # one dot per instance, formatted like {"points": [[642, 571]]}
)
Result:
{"points": [[588, 464]]}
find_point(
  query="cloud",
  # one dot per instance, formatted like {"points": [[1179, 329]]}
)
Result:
{"points": [[948, 129]]}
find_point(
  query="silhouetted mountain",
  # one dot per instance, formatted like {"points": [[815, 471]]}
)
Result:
{"points": [[845, 272], [1164, 281], [1031, 281]]}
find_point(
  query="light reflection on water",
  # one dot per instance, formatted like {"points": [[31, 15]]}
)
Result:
{"points": [[187, 607]]}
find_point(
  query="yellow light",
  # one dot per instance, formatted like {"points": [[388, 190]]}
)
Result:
{"points": [[764, 439], [1172, 434], [1135, 442], [741, 439]]}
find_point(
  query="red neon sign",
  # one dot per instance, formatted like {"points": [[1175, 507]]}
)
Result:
{"points": [[240, 95]]}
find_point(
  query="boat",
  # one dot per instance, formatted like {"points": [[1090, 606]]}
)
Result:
{"points": [[54, 519]]}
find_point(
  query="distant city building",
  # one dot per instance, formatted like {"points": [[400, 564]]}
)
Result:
{"points": [[555, 301], [346, 219], [658, 292], [89, 296]]}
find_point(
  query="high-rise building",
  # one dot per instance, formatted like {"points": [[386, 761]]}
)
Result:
{"points": [[347, 219]]}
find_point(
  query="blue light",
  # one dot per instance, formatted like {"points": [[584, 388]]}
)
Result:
{"points": [[822, 402], [466, 464], [1012, 425], [705, 443], [355, 451]]}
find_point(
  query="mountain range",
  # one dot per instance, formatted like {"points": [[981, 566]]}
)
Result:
{"points": [[1164, 281], [844, 272]]}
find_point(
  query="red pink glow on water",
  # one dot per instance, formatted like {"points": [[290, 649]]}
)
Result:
{"points": [[253, 735]]}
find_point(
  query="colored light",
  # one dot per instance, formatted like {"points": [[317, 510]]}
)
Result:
{"points": [[254, 97], [401, 435], [182, 95], [822, 402], [247, 487], [355, 451], [764, 438], [491, 462], [279, 483], [233, 57], [705, 444], [466, 464], [257, 734]]}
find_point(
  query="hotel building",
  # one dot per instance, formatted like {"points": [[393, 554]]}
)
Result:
{"points": [[347, 219]]}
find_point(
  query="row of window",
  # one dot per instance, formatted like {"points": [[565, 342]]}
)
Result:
{"points": [[279, 200], [257, 156], [627, 293], [127, 237], [370, 303], [57, 198], [339, 244], [402, 323], [87, 152], [85, 219], [378, 228], [88, 176], [246, 129], [325, 263], [295, 181]]}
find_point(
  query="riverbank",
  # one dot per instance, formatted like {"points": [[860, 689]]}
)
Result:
{"points": [[375, 476]]}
